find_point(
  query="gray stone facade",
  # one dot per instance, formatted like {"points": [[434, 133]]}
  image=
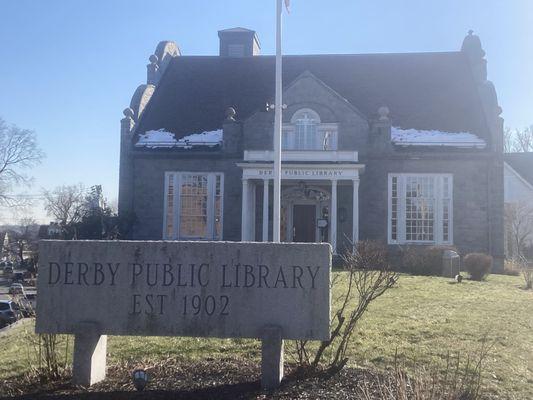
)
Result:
{"points": [[477, 172]]}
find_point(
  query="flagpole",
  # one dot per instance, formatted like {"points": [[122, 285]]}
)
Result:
{"points": [[277, 128]]}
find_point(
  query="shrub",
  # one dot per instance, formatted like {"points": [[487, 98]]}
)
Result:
{"points": [[478, 265], [424, 260], [461, 379], [367, 277]]}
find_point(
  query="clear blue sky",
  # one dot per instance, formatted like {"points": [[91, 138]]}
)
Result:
{"points": [[68, 68]]}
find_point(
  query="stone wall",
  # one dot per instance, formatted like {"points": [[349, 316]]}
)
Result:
{"points": [[476, 228], [477, 175], [149, 183]]}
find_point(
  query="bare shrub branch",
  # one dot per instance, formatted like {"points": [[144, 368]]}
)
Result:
{"points": [[460, 380], [367, 276]]}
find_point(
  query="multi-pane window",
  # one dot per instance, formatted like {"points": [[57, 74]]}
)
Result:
{"points": [[193, 217], [420, 208], [169, 201], [394, 208], [193, 206], [306, 132]]}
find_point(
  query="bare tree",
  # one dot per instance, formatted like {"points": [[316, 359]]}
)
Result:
{"points": [[524, 139], [66, 204], [18, 153], [518, 141], [25, 237], [519, 226], [508, 140]]}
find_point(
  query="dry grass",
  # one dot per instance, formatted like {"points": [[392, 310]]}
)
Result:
{"points": [[422, 319]]}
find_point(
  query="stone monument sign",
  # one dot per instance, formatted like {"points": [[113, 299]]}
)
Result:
{"points": [[270, 291]]}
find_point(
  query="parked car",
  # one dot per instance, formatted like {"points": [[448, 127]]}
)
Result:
{"points": [[9, 312], [17, 289]]}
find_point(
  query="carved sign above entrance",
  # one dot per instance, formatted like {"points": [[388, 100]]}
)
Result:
{"points": [[315, 172]]}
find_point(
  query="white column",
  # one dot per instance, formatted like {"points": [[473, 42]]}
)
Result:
{"points": [[355, 211], [265, 209], [245, 213], [251, 212], [333, 216]]}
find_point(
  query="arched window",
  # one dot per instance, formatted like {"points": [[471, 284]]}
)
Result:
{"points": [[306, 132], [305, 129]]}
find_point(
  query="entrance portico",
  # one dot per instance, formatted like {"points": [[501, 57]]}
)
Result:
{"points": [[309, 200]]}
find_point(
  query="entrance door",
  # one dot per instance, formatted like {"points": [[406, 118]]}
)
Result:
{"points": [[304, 223]]}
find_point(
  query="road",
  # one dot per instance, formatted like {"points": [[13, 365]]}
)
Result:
{"points": [[4, 287]]}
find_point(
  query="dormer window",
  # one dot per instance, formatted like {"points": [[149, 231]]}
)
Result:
{"points": [[306, 132]]}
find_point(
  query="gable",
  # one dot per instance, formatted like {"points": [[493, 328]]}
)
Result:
{"points": [[516, 188], [331, 111], [309, 91], [522, 163]]}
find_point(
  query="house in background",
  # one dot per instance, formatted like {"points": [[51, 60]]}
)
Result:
{"points": [[406, 149], [518, 184], [50, 231]]}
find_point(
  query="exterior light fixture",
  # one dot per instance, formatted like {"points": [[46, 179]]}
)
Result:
{"points": [[140, 379]]}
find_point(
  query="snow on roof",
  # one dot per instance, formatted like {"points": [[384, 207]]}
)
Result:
{"points": [[415, 137], [164, 139]]}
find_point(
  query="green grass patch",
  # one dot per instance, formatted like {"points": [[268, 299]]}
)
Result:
{"points": [[420, 320]]}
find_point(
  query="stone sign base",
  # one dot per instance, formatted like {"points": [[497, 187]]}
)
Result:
{"points": [[89, 361], [89, 364], [271, 358]]}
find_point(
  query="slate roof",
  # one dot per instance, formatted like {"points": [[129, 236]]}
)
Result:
{"points": [[521, 163], [428, 91]]}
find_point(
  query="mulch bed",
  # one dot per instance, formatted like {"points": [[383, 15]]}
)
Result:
{"points": [[219, 379]]}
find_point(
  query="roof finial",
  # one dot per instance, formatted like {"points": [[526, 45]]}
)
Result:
{"points": [[128, 112], [473, 49], [383, 112], [230, 114], [472, 46]]}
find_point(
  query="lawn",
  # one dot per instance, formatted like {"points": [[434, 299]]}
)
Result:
{"points": [[420, 321]]}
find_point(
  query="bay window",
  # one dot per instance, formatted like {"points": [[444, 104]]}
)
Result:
{"points": [[420, 208], [193, 206]]}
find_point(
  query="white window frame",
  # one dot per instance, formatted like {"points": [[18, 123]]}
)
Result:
{"points": [[438, 229], [289, 139], [176, 205]]}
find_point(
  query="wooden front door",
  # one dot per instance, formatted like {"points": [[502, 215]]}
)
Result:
{"points": [[304, 223]]}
